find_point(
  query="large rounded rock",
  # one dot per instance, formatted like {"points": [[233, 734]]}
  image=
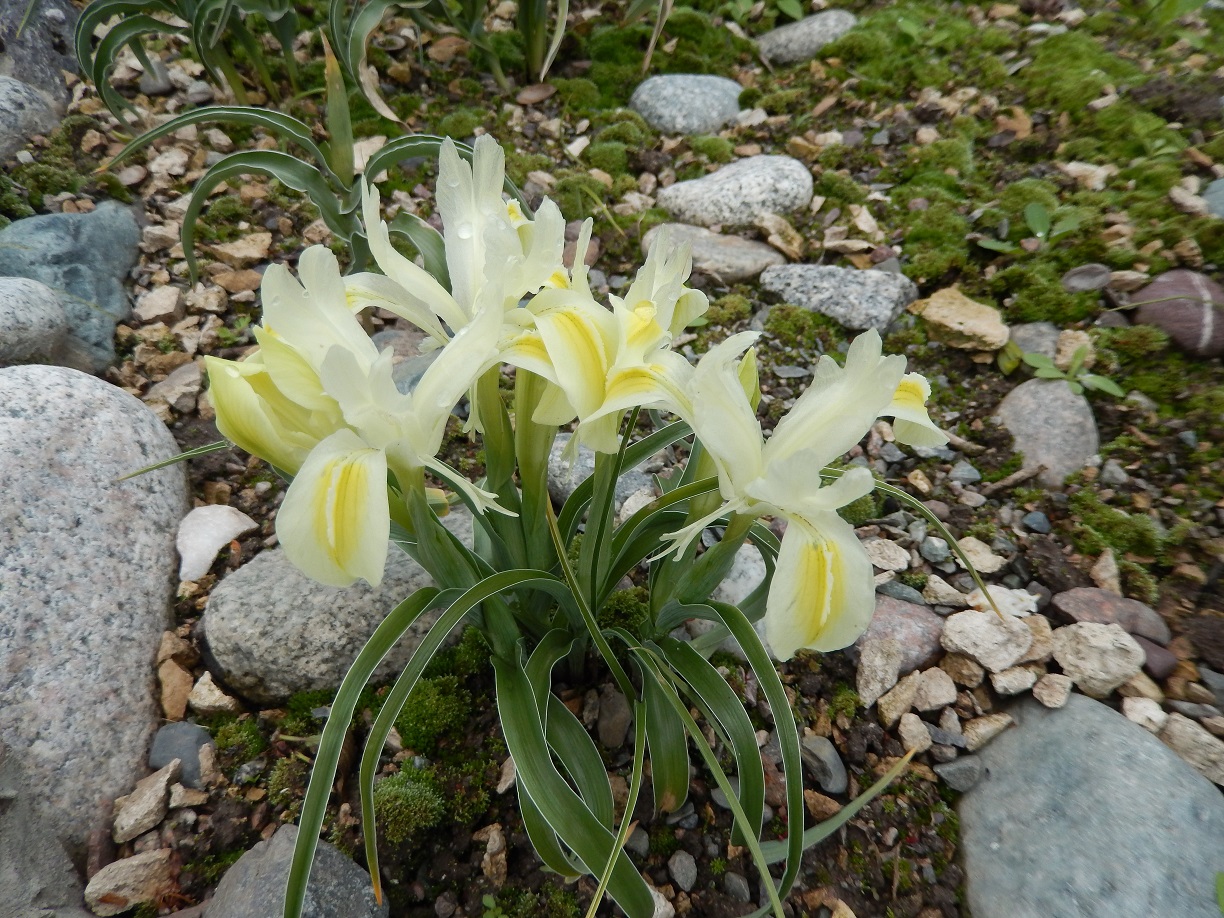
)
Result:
{"points": [[729, 258], [857, 299], [741, 191], [272, 632], [85, 259], [687, 103], [1082, 813], [1188, 307], [37, 41], [32, 322], [255, 886], [23, 112], [1051, 426], [800, 41], [87, 566]]}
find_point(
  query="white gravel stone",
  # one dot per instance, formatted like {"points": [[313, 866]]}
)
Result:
{"points": [[1146, 713], [207, 699], [741, 191], [161, 304], [996, 643], [898, 700], [145, 806], [1017, 603], [1196, 746], [887, 555], [1053, 690], [981, 730], [857, 299], [204, 532], [935, 690], [914, 733], [1014, 680], [980, 556], [938, 592], [1098, 658], [1043, 639], [878, 669], [124, 884]]}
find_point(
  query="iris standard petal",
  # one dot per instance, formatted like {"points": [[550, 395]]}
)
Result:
{"points": [[822, 596], [723, 419], [249, 420], [334, 522]]}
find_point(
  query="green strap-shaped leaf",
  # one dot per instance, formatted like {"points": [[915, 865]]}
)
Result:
{"points": [[669, 760], [318, 790], [181, 457], [286, 169], [99, 11], [576, 503], [427, 240], [788, 732], [545, 840], [720, 705], [127, 30], [564, 810], [281, 125], [777, 851], [352, 46]]}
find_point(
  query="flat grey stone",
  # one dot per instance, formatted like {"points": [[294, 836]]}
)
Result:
{"points": [[88, 567], [683, 869], [1087, 278], [1052, 426], [857, 299], [687, 103], [32, 322], [914, 627], [741, 191], [85, 259], [1036, 338], [255, 886], [24, 111], [180, 740], [800, 41], [272, 632], [1081, 814], [960, 774], [37, 879], [43, 50], [822, 761], [1213, 194], [728, 257]]}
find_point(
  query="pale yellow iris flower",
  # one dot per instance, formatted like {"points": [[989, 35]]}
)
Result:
{"points": [[822, 595], [318, 401]]}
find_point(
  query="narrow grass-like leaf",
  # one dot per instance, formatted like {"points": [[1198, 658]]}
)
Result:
{"points": [[559, 804], [181, 457], [719, 704], [318, 790], [777, 851]]}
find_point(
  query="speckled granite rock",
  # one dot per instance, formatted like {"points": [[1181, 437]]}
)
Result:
{"points": [[271, 631], [687, 103], [255, 886], [85, 259], [1082, 813], [741, 191], [32, 322], [1051, 426], [729, 257], [23, 112], [857, 299], [87, 565], [799, 41], [40, 54]]}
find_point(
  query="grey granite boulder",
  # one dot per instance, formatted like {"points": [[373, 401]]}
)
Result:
{"points": [[1051, 426], [728, 257], [23, 112], [42, 51], [687, 103], [87, 568], [37, 880], [800, 41], [857, 299], [32, 322], [564, 478], [1082, 813], [271, 631], [255, 886], [85, 259], [1213, 194], [741, 191]]}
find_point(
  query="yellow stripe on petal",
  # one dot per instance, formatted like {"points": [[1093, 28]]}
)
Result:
{"points": [[822, 596], [912, 424], [334, 522]]}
